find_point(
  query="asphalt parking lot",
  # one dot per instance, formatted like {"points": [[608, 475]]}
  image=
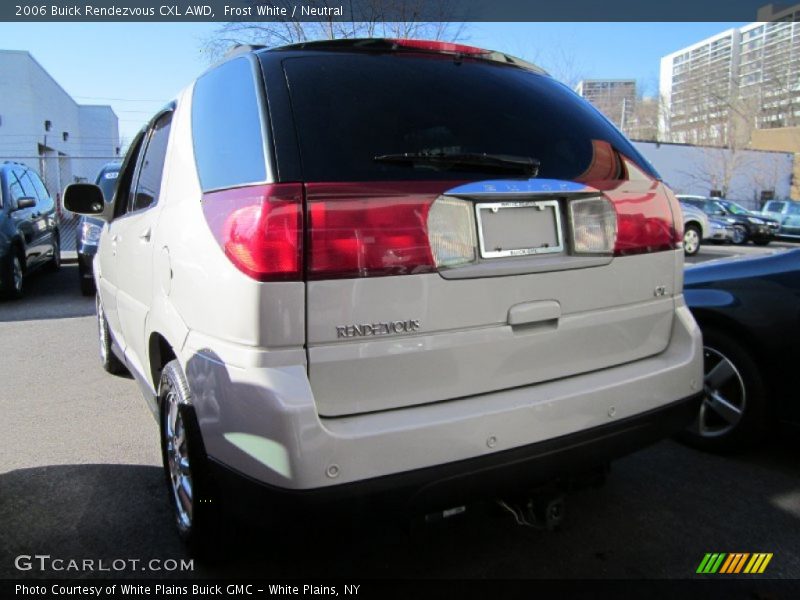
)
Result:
{"points": [[80, 479]]}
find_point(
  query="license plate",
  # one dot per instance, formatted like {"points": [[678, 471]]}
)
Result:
{"points": [[519, 228]]}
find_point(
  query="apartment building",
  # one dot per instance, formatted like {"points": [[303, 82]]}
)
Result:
{"points": [[615, 98], [718, 90]]}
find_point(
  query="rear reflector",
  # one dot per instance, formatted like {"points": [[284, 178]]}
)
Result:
{"points": [[260, 229], [368, 237]]}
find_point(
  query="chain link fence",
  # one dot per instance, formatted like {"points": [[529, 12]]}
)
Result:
{"points": [[58, 172]]}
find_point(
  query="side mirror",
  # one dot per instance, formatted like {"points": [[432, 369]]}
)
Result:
{"points": [[84, 199], [26, 202]]}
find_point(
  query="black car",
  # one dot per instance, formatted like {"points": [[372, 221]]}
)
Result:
{"points": [[749, 312], [747, 225], [89, 229], [29, 227]]}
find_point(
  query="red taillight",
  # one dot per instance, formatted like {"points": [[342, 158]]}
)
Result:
{"points": [[435, 46], [644, 224], [368, 236], [260, 229]]}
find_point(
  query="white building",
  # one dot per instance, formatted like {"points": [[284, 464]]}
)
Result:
{"points": [[719, 89], [43, 127], [615, 98]]}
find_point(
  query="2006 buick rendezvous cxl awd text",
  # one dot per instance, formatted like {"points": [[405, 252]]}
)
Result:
{"points": [[389, 267]]}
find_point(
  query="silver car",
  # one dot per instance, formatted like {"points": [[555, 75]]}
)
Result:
{"points": [[389, 268], [696, 227]]}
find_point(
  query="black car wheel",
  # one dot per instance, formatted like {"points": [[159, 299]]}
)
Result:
{"points": [[86, 281], [108, 359], [184, 460], [739, 235], [691, 240], [761, 241], [55, 262], [733, 413], [13, 276]]}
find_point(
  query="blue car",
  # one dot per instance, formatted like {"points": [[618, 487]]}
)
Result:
{"points": [[89, 229], [749, 312], [29, 228]]}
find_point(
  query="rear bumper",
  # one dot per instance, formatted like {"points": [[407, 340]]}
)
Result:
{"points": [[463, 481], [260, 419]]}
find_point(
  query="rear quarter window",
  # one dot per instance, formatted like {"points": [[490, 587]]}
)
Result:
{"points": [[226, 127], [348, 108]]}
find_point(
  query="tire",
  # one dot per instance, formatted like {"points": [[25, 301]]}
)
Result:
{"points": [[87, 287], [55, 262], [185, 463], [733, 415], [762, 241], [739, 235], [13, 276], [108, 359], [691, 240]]}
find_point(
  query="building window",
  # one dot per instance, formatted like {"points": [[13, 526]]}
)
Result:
{"points": [[48, 125]]}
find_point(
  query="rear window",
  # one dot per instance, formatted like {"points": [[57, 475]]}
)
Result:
{"points": [[348, 108]]}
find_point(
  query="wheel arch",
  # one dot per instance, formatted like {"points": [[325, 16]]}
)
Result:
{"points": [[159, 352], [748, 339], [693, 223]]}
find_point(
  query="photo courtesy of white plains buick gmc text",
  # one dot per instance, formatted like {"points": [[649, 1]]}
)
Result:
{"points": [[409, 271]]}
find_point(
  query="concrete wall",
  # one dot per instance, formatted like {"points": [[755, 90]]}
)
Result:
{"points": [[700, 169]]}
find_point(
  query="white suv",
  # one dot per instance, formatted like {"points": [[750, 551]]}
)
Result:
{"points": [[353, 267]]}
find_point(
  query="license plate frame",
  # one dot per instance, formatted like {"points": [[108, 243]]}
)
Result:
{"points": [[541, 206]]}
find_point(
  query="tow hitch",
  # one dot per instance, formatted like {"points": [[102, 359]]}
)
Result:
{"points": [[542, 510]]}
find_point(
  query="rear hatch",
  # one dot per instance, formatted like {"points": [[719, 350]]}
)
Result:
{"points": [[471, 227]]}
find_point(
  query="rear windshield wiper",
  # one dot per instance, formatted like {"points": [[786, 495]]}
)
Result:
{"points": [[526, 165]]}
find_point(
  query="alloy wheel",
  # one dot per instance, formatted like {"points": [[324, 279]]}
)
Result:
{"points": [[691, 241], [102, 330], [16, 274], [725, 396], [177, 453]]}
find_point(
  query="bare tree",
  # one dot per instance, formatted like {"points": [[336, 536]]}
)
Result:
{"points": [[562, 64], [643, 125], [365, 18]]}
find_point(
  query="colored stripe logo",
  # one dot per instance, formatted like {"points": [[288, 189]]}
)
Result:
{"points": [[734, 563]]}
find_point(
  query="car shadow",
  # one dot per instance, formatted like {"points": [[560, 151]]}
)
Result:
{"points": [[660, 511]]}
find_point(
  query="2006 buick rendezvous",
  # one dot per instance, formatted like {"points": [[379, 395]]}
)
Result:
{"points": [[344, 268]]}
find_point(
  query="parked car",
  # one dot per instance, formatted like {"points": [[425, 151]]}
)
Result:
{"points": [[747, 225], [721, 232], [748, 310], [29, 228], [89, 229], [696, 227], [787, 213], [326, 290]]}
